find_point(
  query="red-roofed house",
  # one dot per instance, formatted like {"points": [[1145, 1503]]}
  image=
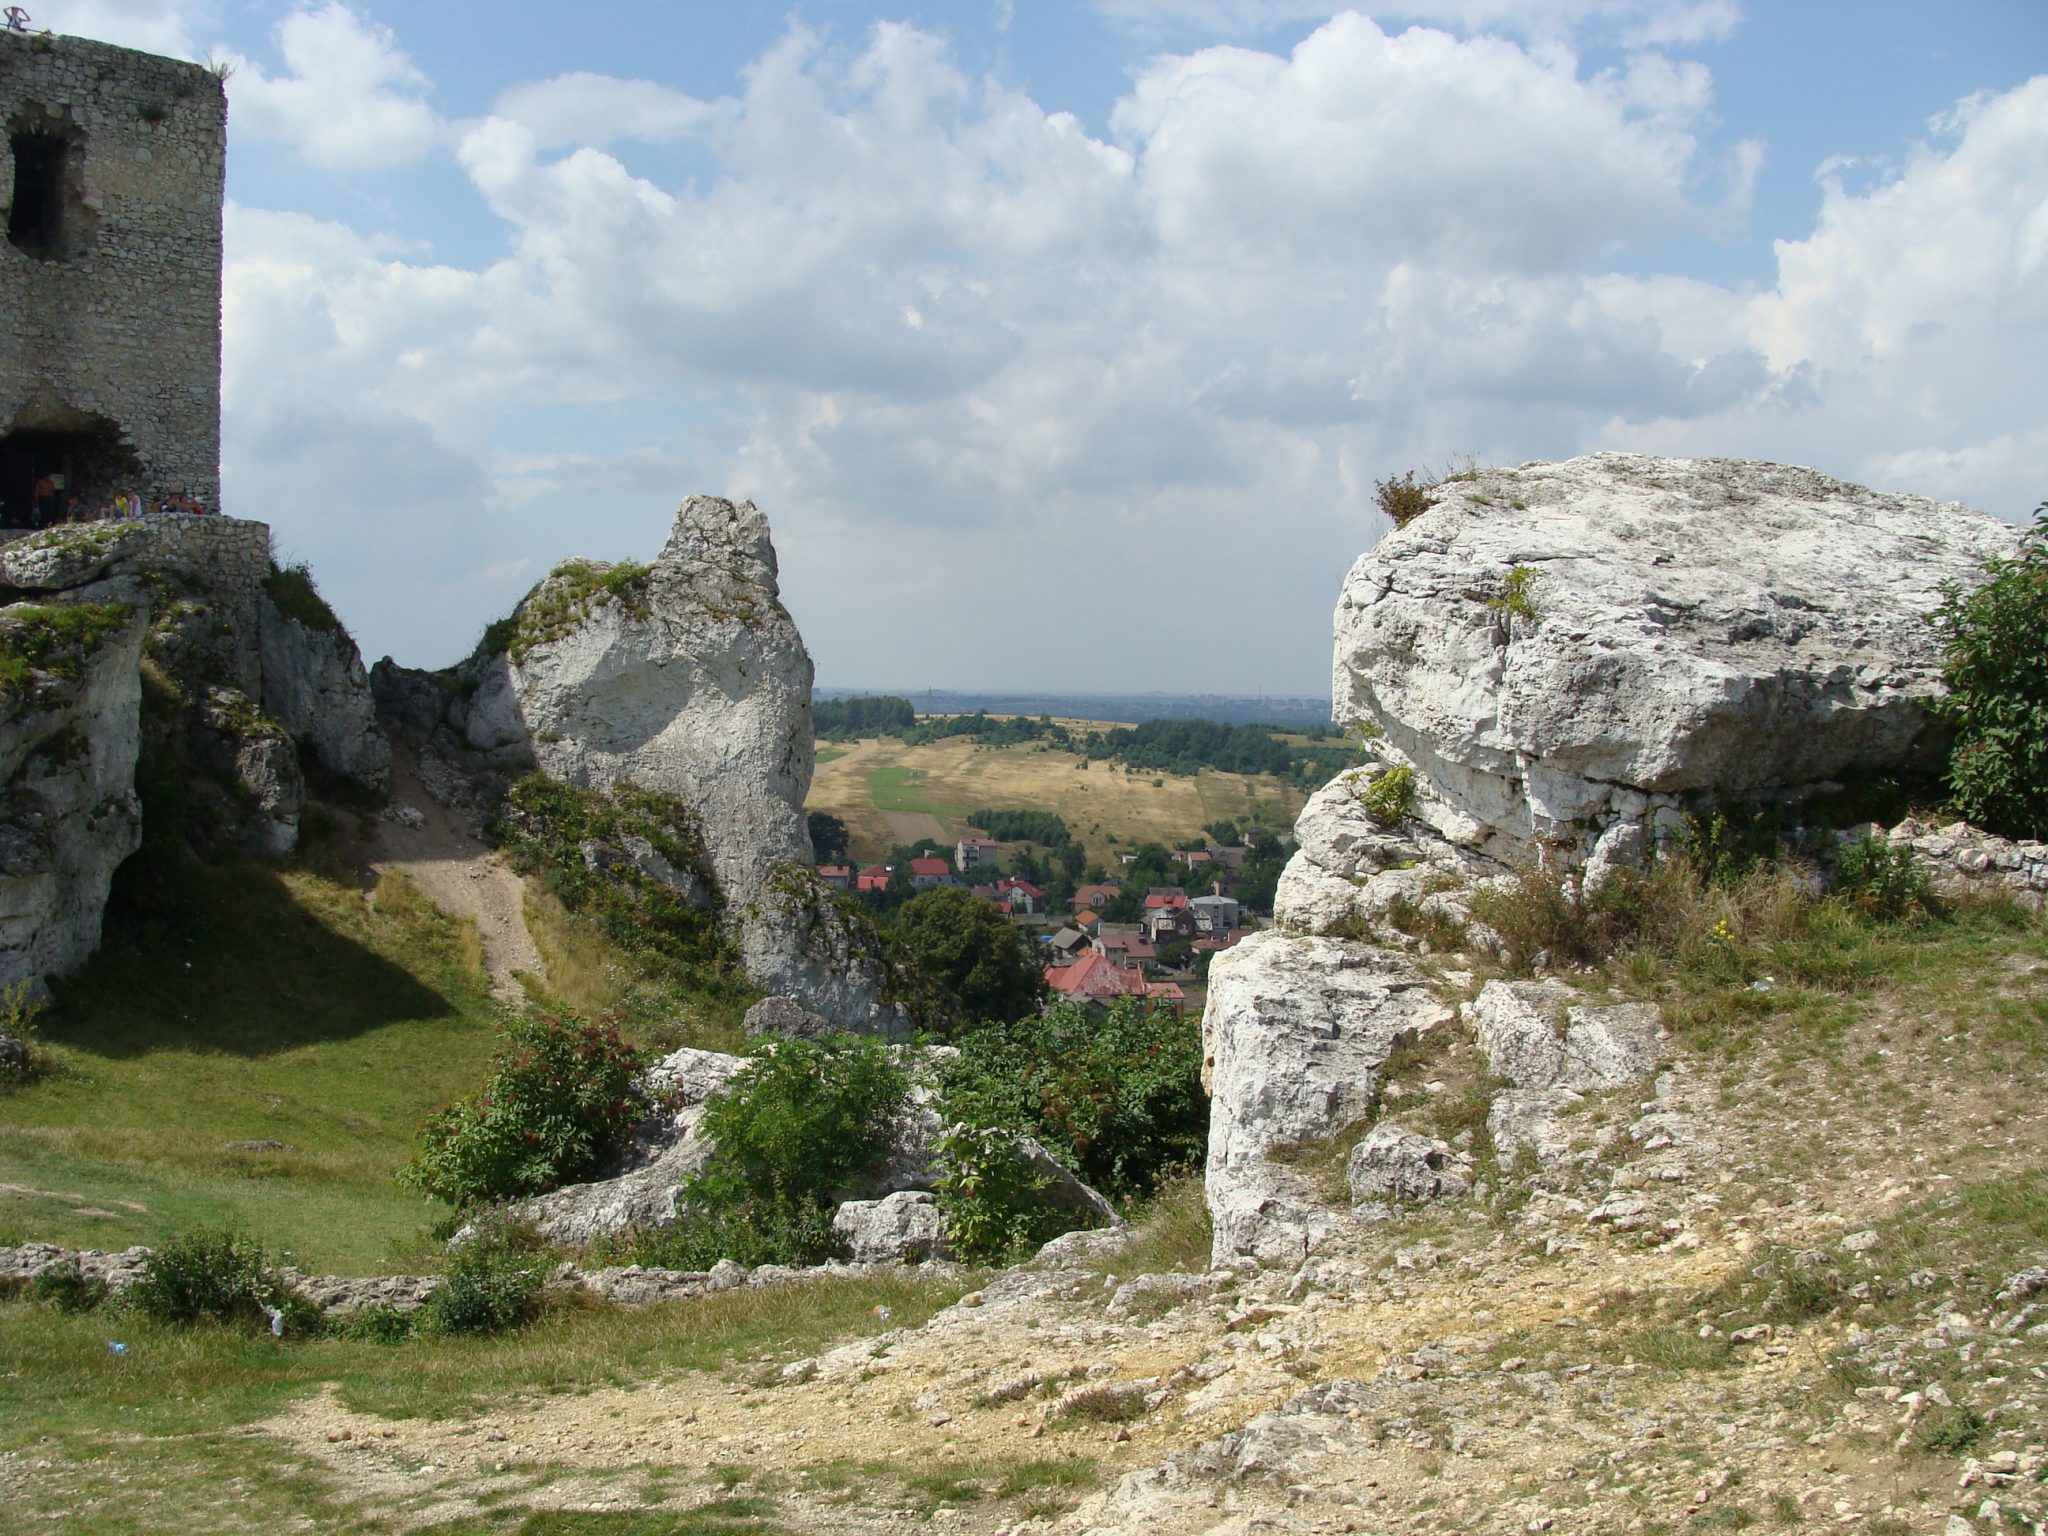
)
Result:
{"points": [[1099, 979], [972, 853], [1086, 919], [1165, 898], [1019, 895], [1127, 947], [874, 878], [1098, 896], [926, 873], [838, 876]]}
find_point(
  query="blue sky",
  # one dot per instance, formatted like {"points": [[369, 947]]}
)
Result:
{"points": [[1062, 342]]}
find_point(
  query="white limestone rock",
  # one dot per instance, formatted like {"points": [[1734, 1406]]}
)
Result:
{"points": [[68, 810], [693, 682], [1294, 1037], [904, 1227], [315, 686], [1691, 625], [1393, 1163], [1540, 1034], [696, 686]]}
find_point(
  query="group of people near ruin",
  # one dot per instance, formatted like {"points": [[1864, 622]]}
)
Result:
{"points": [[51, 502]]}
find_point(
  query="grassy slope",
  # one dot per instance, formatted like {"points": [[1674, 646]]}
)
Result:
{"points": [[1106, 807], [266, 1006]]}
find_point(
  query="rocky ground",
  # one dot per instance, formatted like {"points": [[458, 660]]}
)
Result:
{"points": [[1755, 1297]]}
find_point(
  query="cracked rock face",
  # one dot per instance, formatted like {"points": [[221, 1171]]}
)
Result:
{"points": [[697, 685], [1295, 1035], [1678, 626], [68, 810], [701, 690]]}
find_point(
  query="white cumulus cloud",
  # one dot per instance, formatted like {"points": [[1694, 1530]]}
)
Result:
{"points": [[349, 98]]}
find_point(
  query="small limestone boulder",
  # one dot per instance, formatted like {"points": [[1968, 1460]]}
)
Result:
{"points": [[1396, 1164], [904, 1227], [1537, 1034], [786, 1017]]}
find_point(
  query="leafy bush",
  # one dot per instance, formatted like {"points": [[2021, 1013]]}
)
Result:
{"points": [[1514, 598], [1403, 500], [1880, 878], [804, 1116], [562, 1096], [992, 1196], [492, 1285], [1996, 663], [800, 1120], [1389, 795], [1114, 1093], [211, 1273], [19, 1009], [68, 1288]]}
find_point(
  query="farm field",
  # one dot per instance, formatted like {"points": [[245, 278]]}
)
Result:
{"points": [[889, 792]]}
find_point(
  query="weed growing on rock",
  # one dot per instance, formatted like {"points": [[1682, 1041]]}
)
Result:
{"points": [[292, 590], [1513, 599], [1403, 500], [1389, 795], [54, 638], [1880, 878], [573, 590], [563, 1094]]}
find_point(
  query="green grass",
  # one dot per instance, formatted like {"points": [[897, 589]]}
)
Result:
{"points": [[897, 788], [168, 1418], [266, 1006]]}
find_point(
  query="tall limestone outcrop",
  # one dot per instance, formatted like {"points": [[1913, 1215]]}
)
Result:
{"points": [[686, 677], [221, 670], [1558, 664]]}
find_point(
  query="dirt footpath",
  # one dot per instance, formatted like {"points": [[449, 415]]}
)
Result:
{"points": [[458, 871]]}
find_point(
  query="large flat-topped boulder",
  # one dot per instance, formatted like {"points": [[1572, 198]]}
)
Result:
{"points": [[1566, 650]]}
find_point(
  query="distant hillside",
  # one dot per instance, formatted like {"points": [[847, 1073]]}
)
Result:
{"points": [[1129, 708]]}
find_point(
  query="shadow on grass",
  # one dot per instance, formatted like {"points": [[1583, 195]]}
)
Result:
{"points": [[239, 964]]}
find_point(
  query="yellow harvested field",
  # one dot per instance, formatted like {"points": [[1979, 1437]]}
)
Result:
{"points": [[885, 789]]}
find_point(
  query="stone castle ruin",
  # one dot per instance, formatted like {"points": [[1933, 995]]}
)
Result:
{"points": [[110, 276]]}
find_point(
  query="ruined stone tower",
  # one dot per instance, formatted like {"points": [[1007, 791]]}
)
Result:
{"points": [[110, 273]]}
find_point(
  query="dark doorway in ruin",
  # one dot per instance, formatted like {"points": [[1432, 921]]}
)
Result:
{"points": [[48, 218], [77, 472]]}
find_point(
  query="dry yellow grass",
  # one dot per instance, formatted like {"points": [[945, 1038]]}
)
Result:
{"points": [[887, 792]]}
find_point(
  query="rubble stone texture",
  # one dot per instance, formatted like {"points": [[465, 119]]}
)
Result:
{"points": [[1678, 626], [113, 326]]}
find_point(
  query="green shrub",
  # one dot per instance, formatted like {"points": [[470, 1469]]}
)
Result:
{"points": [[292, 591], [562, 1096], [211, 1273], [1995, 661], [993, 1198], [67, 1287], [1115, 1093], [1514, 598], [574, 589], [19, 1010], [1953, 1431], [725, 1221], [804, 1116], [492, 1285], [1880, 878], [798, 1122], [378, 1325], [1402, 500], [1389, 795]]}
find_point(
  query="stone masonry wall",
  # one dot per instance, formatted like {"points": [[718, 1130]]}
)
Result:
{"points": [[123, 321]]}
